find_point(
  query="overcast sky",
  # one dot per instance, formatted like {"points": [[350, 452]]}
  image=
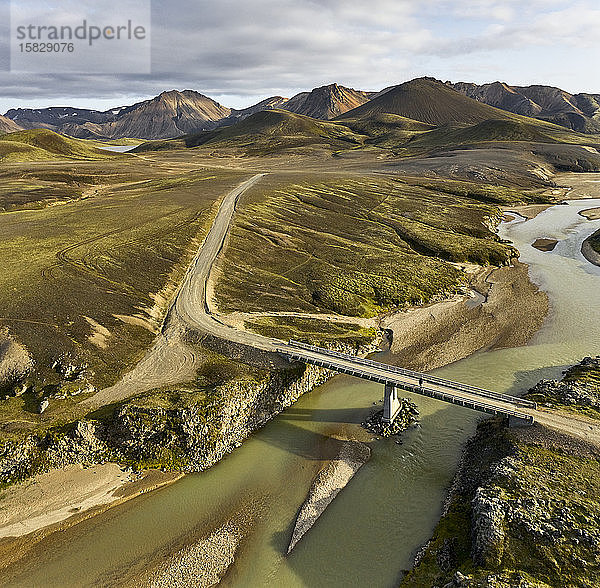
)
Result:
{"points": [[240, 51]]}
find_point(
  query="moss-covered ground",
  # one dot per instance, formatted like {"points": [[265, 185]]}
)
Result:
{"points": [[595, 241], [357, 245], [547, 491]]}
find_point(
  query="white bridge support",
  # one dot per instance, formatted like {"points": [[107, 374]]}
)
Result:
{"points": [[391, 404]]}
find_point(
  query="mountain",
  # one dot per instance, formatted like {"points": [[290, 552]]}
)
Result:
{"points": [[326, 102], [56, 117], [169, 114], [579, 112], [8, 126], [267, 132], [429, 101], [40, 144], [267, 104]]}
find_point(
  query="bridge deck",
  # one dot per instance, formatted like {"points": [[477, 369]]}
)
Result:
{"points": [[454, 392]]}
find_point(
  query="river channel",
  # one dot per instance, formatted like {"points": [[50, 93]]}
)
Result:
{"points": [[369, 534]]}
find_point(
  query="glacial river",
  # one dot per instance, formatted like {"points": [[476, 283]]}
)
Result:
{"points": [[370, 533]]}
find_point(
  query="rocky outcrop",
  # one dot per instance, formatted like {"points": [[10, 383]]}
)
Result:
{"points": [[196, 437], [15, 361], [190, 438], [571, 391], [589, 251], [523, 509], [407, 417]]}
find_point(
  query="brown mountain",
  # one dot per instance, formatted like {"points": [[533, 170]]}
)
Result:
{"points": [[326, 102], [580, 112], [429, 101], [267, 104], [8, 126], [170, 114]]}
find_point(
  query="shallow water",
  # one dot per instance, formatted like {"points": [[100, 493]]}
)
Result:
{"points": [[370, 532], [118, 148]]}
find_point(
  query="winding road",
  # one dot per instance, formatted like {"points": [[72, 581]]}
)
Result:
{"points": [[171, 361]]}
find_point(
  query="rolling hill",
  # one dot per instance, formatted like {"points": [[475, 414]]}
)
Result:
{"points": [[266, 104], [267, 132], [497, 131], [43, 144]]}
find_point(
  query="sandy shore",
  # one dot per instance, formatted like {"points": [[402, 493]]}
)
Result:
{"points": [[61, 498], [433, 336], [55, 496], [591, 213]]}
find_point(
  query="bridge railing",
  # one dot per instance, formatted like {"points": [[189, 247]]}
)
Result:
{"points": [[445, 396], [413, 374]]}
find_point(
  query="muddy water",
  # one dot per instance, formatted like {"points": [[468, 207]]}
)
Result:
{"points": [[371, 531]]}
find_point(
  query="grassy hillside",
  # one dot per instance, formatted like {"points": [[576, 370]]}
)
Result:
{"points": [[354, 246], [496, 131], [267, 132], [42, 144]]}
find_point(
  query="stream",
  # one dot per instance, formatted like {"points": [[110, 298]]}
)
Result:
{"points": [[370, 533]]}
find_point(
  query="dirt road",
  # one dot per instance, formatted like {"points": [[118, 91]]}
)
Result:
{"points": [[170, 360]]}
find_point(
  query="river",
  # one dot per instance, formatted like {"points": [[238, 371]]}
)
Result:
{"points": [[369, 534]]}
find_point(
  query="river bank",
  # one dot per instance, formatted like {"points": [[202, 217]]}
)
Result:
{"points": [[589, 251], [523, 507], [434, 336], [56, 500]]}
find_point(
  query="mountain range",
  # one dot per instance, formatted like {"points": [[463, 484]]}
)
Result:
{"points": [[580, 112], [177, 113]]}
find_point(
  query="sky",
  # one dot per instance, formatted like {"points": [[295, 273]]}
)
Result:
{"points": [[241, 51]]}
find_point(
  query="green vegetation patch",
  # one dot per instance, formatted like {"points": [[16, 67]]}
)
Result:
{"points": [[42, 144], [315, 331], [355, 246], [89, 283]]}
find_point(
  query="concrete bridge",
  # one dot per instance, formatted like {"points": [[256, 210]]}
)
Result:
{"points": [[393, 378]]}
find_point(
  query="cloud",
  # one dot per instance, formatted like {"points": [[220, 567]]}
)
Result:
{"points": [[264, 47]]}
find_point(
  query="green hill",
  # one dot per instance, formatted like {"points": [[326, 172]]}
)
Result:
{"points": [[267, 132], [42, 144], [497, 131], [428, 101]]}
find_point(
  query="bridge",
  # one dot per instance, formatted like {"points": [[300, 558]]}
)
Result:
{"points": [[394, 378]]}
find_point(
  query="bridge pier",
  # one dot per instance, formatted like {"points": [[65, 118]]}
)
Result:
{"points": [[391, 404]]}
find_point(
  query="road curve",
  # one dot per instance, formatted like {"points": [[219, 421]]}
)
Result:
{"points": [[170, 360], [191, 309]]}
